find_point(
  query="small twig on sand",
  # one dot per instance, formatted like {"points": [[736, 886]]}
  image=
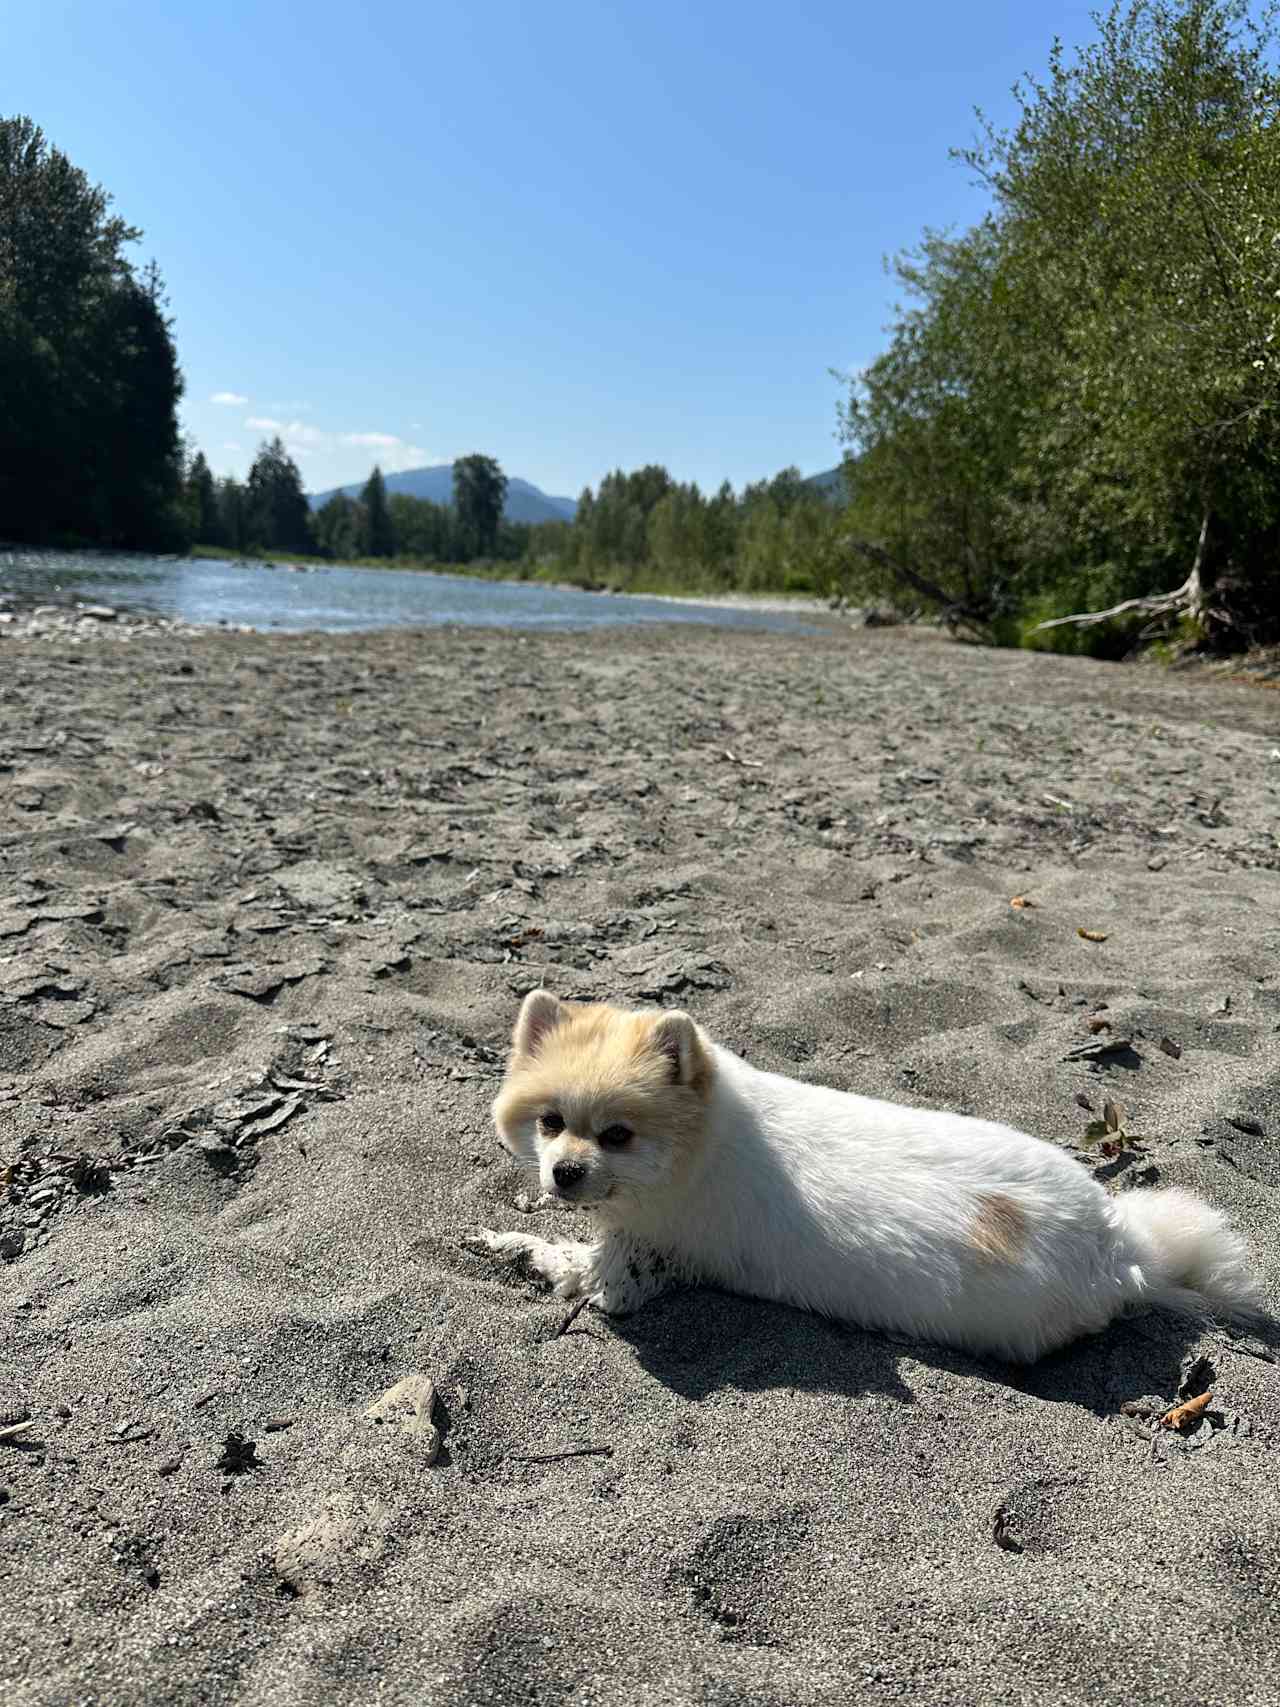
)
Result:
{"points": [[572, 1317], [555, 1457]]}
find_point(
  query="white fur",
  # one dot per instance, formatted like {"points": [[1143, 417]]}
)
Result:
{"points": [[866, 1211]]}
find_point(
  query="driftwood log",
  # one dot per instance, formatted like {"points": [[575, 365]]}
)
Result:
{"points": [[1187, 600], [956, 612]]}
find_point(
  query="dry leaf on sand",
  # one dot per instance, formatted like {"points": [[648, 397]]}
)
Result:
{"points": [[1183, 1415]]}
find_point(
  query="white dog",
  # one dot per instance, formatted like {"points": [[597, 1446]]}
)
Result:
{"points": [[695, 1166]]}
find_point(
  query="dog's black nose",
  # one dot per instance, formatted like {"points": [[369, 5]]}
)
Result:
{"points": [[567, 1174]]}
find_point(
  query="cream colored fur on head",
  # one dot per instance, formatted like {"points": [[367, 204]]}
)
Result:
{"points": [[600, 1070], [697, 1167]]}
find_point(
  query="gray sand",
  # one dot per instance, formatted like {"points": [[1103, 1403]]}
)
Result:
{"points": [[267, 908]]}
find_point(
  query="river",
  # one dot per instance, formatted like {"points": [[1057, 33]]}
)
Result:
{"points": [[338, 598]]}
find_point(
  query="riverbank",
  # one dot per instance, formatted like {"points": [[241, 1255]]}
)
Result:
{"points": [[267, 908]]}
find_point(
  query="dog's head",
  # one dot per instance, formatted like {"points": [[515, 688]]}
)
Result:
{"points": [[605, 1103]]}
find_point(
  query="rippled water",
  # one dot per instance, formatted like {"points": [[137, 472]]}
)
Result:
{"points": [[337, 598]]}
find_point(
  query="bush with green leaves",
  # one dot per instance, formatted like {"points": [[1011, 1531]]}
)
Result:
{"points": [[1081, 404]]}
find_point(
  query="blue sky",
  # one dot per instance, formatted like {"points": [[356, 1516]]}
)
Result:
{"points": [[570, 236]]}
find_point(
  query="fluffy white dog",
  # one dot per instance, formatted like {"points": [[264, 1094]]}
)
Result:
{"points": [[695, 1166]]}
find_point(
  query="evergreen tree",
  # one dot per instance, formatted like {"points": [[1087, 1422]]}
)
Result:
{"points": [[479, 492], [721, 532], [340, 528], [379, 537], [89, 443], [422, 529], [202, 503], [233, 515], [279, 517]]}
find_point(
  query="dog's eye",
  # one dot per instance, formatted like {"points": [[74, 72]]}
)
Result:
{"points": [[551, 1123], [614, 1137]]}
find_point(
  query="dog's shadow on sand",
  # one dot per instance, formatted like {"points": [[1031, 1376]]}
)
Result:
{"points": [[702, 1341]]}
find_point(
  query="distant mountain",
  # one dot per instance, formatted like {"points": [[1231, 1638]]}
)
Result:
{"points": [[831, 481], [525, 502]]}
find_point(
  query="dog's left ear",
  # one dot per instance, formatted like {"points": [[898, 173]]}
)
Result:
{"points": [[677, 1037], [540, 1013]]}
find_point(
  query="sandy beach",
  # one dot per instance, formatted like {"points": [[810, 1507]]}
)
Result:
{"points": [[267, 910]]}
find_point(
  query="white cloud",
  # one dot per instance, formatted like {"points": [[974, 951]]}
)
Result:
{"points": [[232, 444], [232, 398], [336, 450], [409, 456], [394, 453], [297, 435]]}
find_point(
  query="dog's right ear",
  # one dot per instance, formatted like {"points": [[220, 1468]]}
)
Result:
{"points": [[540, 1013], [676, 1037]]}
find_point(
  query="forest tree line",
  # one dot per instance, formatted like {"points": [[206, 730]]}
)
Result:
{"points": [[269, 512], [646, 530], [637, 530]]}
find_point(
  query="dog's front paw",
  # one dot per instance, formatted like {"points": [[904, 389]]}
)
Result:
{"points": [[529, 1256], [485, 1242], [477, 1239]]}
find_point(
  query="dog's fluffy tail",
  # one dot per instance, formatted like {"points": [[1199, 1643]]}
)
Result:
{"points": [[1188, 1257]]}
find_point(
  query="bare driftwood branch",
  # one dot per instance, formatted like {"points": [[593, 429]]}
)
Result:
{"points": [[1161, 604], [912, 578], [1189, 597]]}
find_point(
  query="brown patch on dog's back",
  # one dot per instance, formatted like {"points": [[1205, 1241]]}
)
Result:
{"points": [[999, 1231]]}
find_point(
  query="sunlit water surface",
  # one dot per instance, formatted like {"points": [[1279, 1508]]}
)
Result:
{"points": [[337, 598]]}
